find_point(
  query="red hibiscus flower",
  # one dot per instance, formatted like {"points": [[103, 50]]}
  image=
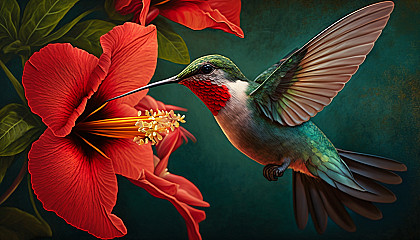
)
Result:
{"points": [[197, 15], [74, 162], [162, 184]]}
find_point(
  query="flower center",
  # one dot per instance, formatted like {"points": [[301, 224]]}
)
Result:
{"points": [[144, 128]]}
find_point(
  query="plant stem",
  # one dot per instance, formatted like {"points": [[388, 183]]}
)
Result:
{"points": [[23, 59], [31, 197], [15, 183], [15, 82]]}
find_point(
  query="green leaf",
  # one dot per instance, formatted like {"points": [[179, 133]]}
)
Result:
{"points": [[113, 14], [41, 17], [18, 129], [13, 80], [20, 225], [9, 21], [16, 47], [86, 35], [171, 46], [5, 163], [60, 32]]}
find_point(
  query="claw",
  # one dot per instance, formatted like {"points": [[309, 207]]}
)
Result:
{"points": [[272, 172]]}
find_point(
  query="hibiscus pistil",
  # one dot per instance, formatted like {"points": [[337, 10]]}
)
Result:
{"points": [[143, 129]]}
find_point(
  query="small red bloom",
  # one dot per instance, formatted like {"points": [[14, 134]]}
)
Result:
{"points": [[197, 15], [162, 184], [74, 162]]}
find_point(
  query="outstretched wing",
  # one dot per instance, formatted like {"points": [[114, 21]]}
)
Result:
{"points": [[308, 80]]}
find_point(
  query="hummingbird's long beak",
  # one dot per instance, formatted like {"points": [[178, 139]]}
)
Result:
{"points": [[173, 79]]}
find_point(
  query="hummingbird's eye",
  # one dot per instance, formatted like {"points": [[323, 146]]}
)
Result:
{"points": [[206, 69]]}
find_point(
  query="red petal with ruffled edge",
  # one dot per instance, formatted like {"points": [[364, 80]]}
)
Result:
{"points": [[128, 6], [149, 102], [140, 9], [57, 85], [144, 12], [200, 15], [187, 191], [164, 149], [230, 9], [76, 183], [168, 145], [192, 216], [131, 50]]}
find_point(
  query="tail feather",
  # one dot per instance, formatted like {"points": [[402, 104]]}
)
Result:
{"points": [[300, 204], [317, 197], [372, 160], [336, 210], [374, 192], [315, 205], [375, 173], [361, 207]]}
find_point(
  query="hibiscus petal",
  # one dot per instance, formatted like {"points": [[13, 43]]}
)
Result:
{"points": [[165, 148], [169, 144], [149, 102], [191, 215], [186, 134], [129, 158], [200, 15], [57, 85], [144, 12], [174, 108], [131, 50], [164, 185], [229, 9], [76, 183], [188, 187], [127, 6], [140, 9]]}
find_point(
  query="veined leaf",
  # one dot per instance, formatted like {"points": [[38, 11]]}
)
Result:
{"points": [[9, 21], [17, 129], [171, 46], [41, 17], [20, 225], [113, 14], [86, 35], [5, 163], [60, 32], [16, 47], [9, 18]]}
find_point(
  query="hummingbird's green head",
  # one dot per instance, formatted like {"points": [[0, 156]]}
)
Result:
{"points": [[214, 68], [208, 77]]}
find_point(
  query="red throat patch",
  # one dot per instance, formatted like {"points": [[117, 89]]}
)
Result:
{"points": [[213, 95]]}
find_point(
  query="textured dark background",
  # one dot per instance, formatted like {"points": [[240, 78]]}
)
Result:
{"points": [[377, 113]]}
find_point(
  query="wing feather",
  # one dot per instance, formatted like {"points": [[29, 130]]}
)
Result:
{"points": [[302, 84]]}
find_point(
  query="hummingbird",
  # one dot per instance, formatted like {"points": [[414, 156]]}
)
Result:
{"points": [[268, 119]]}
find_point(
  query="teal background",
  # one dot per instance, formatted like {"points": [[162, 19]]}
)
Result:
{"points": [[378, 112]]}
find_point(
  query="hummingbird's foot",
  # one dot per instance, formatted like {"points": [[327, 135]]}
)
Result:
{"points": [[272, 172]]}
